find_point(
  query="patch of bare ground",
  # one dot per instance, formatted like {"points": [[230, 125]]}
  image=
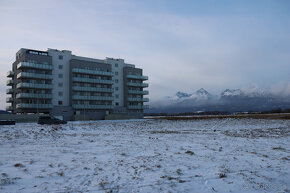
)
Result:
{"points": [[256, 133]]}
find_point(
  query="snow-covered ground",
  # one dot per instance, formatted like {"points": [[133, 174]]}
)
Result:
{"points": [[228, 155]]}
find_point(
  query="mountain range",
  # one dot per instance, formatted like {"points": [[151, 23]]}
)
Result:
{"points": [[230, 100]]}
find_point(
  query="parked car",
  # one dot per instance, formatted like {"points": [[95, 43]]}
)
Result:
{"points": [[7, 122], [49, 120]]}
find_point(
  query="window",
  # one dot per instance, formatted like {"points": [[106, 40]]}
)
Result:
{"points": [[60, 57], [60, 75], [117, 104], [116, 80], [60, 84], [116, 64], [116, 88], [117, 96], [59, 93], [116, 73], [60, 67], [59, 102]]}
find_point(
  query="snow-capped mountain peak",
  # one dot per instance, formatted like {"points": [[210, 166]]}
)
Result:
{"points": [[182, 95], [255, 91], [202, 92], [233, 92]]}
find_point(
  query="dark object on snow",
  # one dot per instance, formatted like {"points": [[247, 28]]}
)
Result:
{"points": [[4, 112], [7, 122], [50, 120]]}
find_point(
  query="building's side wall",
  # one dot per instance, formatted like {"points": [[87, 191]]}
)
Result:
{"points": [[61, 73], [23, 56], [117, 69], [127, 71]]}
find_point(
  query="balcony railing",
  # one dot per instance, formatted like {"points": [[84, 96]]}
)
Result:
{"points": [[9, 99], [33, 95], [33, 75], [10, 73], [143, 92], [31, 85], [96, 98], [9, 82], [9, 108], [34, 65], [139, 99], [138, 107], [9, 91], [95, 72], [78, 106], [91, 80], [92, 89], [135, 84], [33, 106], [139, 77]]}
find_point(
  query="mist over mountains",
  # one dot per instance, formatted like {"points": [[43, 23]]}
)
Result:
{"points": [[230, 100]]}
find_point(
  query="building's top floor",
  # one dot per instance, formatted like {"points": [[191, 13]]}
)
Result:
{"points": [[68, 53]]}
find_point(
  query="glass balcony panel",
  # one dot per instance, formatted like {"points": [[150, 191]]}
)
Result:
{"points": [[137, 77], [139, 99], [9, 99], [33, 106], [9, 108], [93, 89], [32, 95], [33, 75], [97, 98], [78, 106], [34, 65], [9, 91], [10, 73], [137, 84], [95, 72], [144, 92], [9, 82], [31, 85], [90, 80], [138, 107]]}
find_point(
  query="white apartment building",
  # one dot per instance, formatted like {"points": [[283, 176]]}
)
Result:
{"points": [[62, 84]]}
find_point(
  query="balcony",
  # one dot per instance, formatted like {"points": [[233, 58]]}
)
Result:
{"points": [[32, 95], [91, 80], [10, 73], [9, 100], [95, 98], [138, 107], [9, 108], [31, 85], [94, 72], [135, 84], [92, 89], [33, 75], [143, 92], [9, 91], [138, 77], [33, 106], [78, 106], [138, 99], [9, 82], [34, 65]]}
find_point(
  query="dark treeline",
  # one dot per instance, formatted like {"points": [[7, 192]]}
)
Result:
{"points": [[217, 113]]}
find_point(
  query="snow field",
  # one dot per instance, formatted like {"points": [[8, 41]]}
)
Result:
{"points": [[231, 155]]}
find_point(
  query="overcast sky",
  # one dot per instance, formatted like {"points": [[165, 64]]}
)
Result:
{"points": [[181, 45]]}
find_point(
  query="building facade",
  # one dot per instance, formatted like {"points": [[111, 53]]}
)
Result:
{"points": [[61, 84]]}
